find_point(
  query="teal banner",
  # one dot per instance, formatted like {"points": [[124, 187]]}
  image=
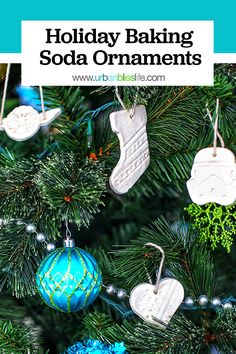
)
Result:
{"points": [[223, 14]]}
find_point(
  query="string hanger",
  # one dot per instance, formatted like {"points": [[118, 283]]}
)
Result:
{"points": [[5, 94], [150, 244], [215, 127], [131, 111], [68, 241], [68, 232]]}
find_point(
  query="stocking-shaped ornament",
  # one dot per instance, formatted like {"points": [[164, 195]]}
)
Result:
{"points": [[134, 149]]}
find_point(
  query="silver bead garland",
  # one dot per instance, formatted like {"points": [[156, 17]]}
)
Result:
{"points": [[203, 301], [121, 294], [50, 247], [112, 290], [227, 305], [215, 302], [40, 237], [189, 302], [30, 228]]}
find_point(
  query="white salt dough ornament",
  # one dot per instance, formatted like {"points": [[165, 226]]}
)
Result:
{"points": [[134, 149], [157, 303], [157, 307], [24, 121], [213, 178]]}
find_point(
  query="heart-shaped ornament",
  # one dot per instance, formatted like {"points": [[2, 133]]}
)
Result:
{"points": [[157, 308]]}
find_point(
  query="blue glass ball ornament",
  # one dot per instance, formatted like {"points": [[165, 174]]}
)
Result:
{"points": [[69, 279], [96, 347]]}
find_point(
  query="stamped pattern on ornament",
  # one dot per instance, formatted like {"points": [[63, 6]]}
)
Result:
{"points": [[213, 178], [136, 142], [134, 149], [24, 121], [141, 159], [157, 308]]}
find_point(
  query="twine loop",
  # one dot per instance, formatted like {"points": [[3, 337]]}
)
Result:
{"points": [[150, 244], [5, 95], [217, 135], [131, 111]]}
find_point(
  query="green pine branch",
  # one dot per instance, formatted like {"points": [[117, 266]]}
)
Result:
{"points": [[20, 256], [185, 260], [17, 339]]}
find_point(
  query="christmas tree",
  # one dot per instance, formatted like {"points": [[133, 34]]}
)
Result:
{"points": [[55, 186]]}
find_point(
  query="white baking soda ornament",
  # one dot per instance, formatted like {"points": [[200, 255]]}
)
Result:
{"points": [[134, 150], [157, 303], [213, 177], [157, 307], [24, 121]]}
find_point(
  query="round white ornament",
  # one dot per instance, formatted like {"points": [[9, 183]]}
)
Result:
{"points": [[157, 307], [213, 177], [22, 123]]}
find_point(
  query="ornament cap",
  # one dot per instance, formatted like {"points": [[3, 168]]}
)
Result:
{"points": [[69, 242]]}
